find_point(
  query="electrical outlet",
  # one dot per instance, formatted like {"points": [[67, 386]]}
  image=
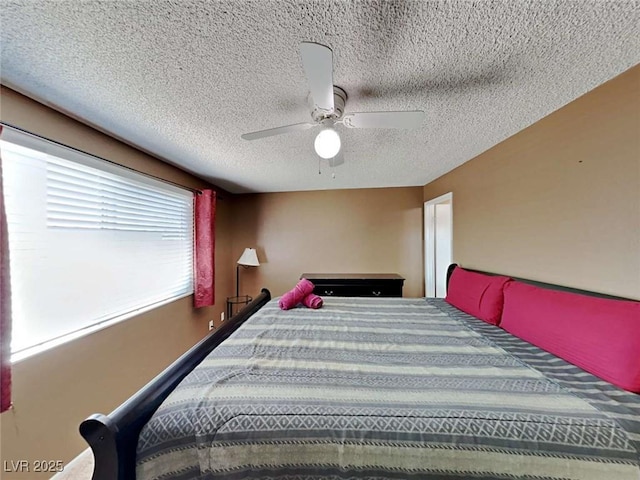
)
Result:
{"points": [[210, 325], [222, 316]]}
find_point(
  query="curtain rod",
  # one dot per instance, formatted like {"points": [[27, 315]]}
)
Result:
{"points": [[160, 179]]}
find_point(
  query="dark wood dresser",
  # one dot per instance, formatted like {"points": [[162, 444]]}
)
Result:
{"points": [[356, 284]]}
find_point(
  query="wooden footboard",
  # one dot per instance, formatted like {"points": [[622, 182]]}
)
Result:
{"points": [[114, 437]]}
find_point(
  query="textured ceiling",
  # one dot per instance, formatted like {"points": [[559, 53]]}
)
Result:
{"points": [[183, 79]]}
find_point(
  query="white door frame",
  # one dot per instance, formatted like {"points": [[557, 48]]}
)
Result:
{"points": [[430, 239]]}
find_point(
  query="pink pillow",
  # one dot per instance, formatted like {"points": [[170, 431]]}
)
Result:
{"points": [[477, 294], [599, 335]]}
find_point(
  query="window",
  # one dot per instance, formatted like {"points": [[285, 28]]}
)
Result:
{"points": [[90, 242]]}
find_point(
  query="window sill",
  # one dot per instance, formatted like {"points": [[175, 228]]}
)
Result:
{"points": [[56, 342]]}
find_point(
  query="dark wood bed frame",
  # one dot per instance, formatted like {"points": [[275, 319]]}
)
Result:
{"points": [[114, 437], [550, 286]]}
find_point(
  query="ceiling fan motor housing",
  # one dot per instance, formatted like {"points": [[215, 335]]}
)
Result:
{"points": [[339, 101]]}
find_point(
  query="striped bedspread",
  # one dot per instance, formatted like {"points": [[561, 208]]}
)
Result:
{"points": [[388, 388]]}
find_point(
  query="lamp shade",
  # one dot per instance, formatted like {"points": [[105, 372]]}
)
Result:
{"points": [[249, 258]]}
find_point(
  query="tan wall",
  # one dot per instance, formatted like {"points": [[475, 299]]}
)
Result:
{"points": [[55, 390], [560, 200], [360, 231]]}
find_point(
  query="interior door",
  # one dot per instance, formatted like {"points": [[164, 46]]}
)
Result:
{"points": [[438, 224]]}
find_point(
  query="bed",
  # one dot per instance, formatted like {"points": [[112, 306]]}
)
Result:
{"points": [[369, 388]]}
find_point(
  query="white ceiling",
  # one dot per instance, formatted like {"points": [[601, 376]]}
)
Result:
{"points": [[183, 79]]}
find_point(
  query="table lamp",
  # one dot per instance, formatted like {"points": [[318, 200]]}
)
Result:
{"points": [[249, 258]]}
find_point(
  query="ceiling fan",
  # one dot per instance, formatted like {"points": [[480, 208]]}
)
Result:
{"points": [[328, 104]]}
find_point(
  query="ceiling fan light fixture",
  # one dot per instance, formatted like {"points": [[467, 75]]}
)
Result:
{"points": [[327, 143]]}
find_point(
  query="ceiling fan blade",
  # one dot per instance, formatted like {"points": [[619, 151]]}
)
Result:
{"points": [[317, 61], [384, 119], [278, 131]]}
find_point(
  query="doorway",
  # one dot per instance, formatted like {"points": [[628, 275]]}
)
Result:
{"points": [[438, 244]]}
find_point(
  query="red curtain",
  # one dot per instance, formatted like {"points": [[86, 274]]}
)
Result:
{"points": [[204, 255], [5, 308]]}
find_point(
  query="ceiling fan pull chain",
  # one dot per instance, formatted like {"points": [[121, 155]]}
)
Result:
{"points": [[319, 163]]}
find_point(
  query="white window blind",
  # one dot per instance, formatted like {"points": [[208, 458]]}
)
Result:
{"points": [[90, 242]]}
